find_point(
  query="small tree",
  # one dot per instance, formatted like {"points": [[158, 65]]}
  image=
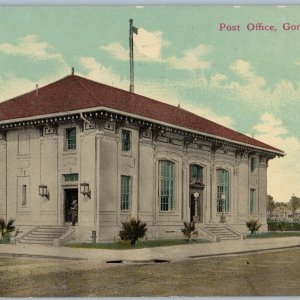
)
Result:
{"points": [[270, 204], [189, 230], [6, 228], [133, 230], [253, 225], [294, 204]]}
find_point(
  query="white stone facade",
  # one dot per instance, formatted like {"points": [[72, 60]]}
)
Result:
{"points": [[36, 154]]}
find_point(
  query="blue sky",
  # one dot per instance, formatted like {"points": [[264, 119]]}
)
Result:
{"points": [[246, 80]]}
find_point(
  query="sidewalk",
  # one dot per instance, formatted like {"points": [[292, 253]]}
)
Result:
{"points": [[171, 253]]}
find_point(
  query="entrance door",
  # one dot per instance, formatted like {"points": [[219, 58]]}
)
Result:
{"points": [[196, 211], [70, 195]]}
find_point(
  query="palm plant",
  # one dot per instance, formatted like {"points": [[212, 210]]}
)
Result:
{"points": [[133, 230], [253, 225], [189, 230], [6, 228]]}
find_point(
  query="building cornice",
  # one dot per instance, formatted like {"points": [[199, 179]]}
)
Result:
{"points": [[103, 111]]}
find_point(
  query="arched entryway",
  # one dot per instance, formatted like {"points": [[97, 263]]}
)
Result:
{"points": [[196, 193]]}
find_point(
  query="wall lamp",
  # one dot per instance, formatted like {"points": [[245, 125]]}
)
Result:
{"points": [[43, 191], [85, 189]]}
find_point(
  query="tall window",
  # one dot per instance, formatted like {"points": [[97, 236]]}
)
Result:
{"points": [[166, 191], [125, 193], [126, 140], [252, 164], [252, 201], [70, 139], [24, 195], [223, 190], [196, 173]]}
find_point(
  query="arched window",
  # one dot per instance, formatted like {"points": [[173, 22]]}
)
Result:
{"points": [[223, 190], [196, 173], [166, 188]]}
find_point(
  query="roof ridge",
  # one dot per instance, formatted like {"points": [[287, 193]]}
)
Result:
{"points": [[83, 86]]}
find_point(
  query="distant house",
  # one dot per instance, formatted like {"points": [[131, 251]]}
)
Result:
{"points": [[282, 213], [123, 155]]}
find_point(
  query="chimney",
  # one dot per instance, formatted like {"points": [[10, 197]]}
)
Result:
{"points": [[72, 71], [37, 89]]}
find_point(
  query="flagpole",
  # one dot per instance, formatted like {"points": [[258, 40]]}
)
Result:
{"points": [[131, 87]]}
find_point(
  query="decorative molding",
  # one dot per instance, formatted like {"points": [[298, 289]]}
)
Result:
{"points": [[109, 126], [215, 146], [236, 171]]}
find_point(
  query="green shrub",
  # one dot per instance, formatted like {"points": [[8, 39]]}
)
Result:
{"points": [[132, 231], [253, 225], [6, 228], [189, 230], [283, 226]]}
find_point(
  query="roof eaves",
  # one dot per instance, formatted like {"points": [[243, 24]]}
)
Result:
{"points": [[273, 151]]}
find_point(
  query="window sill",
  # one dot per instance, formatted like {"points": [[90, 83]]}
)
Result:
{"points": [[127, 154], [69, 152]]}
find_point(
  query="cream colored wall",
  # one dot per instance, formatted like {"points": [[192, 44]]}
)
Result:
{"points": [[99, 161]]}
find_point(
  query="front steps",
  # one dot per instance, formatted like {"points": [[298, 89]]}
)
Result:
{"points": [[222, 232], [45, 235]]}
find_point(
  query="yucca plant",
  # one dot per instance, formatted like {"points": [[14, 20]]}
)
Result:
{"points": [[133, 230], [7, 228], [253, 225], [189, 230]]}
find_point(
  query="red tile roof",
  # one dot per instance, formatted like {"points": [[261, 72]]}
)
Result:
{"points": [[75, 93]]}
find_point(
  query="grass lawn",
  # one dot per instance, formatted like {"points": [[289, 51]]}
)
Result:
{"points": [[273, 234], [140, 244]]}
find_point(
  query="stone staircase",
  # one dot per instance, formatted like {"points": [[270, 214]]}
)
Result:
{"points": [[222, 232], [45, 235]]}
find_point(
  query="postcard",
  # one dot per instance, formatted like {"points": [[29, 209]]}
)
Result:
{"points": [[149, 151]]}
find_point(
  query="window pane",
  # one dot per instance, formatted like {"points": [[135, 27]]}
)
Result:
{"points": [[252, 162], [125, 192], [223, 188], [196, 172], [71, 138], [24, 195], [126, 140], [71, 177], [252, 200], [166, 185]]}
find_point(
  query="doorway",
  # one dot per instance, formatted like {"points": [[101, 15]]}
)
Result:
{"points": [[196, 208], [69, 196]]}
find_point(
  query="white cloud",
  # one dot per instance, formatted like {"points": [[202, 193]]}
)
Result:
{"points": [[193, 59], [252, 88], [217, 79], [283, 173], [30, 46], [116, 50], [12, 85], [98, 72], [147, 47]]}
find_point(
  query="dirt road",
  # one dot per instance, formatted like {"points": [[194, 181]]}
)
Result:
{"points": [[264, 274]]}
